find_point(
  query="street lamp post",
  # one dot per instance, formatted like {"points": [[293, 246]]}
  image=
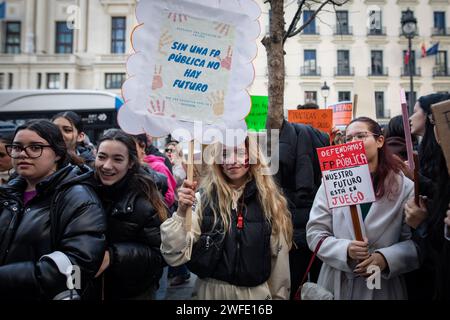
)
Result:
{"points": [[409, 29], [325, 90]]}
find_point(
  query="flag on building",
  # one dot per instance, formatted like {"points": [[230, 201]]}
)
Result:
{"points": [[407, 56], [423, 50], [433, 49], [2, 10]]}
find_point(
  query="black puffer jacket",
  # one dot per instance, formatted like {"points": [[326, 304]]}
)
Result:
{"points": [[299, 173], [133, 239], [78, 226]]}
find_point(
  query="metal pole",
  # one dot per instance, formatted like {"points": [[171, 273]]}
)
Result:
{"points": [[325, 98], [411, 85]]}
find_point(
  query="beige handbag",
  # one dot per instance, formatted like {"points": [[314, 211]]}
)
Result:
{"points": [[311, 290]]}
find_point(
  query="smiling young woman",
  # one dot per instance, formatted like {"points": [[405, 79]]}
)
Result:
{"points": [[135, 209]]}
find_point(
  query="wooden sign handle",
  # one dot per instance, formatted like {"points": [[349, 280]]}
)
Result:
{"points": [[190, 178], [356, 224], [416, 179]]}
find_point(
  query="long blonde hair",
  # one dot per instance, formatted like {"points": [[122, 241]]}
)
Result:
{"points": [[272, 201]]}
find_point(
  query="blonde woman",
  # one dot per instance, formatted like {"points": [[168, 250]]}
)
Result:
{"points": [[241, 229]]}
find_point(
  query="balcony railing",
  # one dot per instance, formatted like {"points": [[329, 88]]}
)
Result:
{"points": [[415, 72], [344, 71], [440, 31], [310, 71], [441, 71], [378, 72], [311, 31], [340, 30], [376, 31]]}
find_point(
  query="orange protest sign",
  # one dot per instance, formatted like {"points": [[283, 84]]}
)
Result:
{"points": [[319, 119], [342, 113]]}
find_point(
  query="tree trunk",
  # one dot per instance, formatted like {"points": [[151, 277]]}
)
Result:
{"points": [[275, 64]]}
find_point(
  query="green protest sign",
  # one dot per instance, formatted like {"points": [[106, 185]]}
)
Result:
{"points": [[256, 120]]}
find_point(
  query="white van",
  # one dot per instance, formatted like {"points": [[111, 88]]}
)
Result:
{"points": [[98, 109]]}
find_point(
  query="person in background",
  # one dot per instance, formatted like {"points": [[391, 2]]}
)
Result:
{"points": [[50, 219], [394, 137], [387, 238], [430, 222], [245, 215], [299, 177], [422, 126], [173, 151], [132, 264], [71, 127], [159, 178], [6, 166], [152, 150]]}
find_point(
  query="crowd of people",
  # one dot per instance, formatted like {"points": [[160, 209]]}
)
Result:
{"points": [[102, 223]]}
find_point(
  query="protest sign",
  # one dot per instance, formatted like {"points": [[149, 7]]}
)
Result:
{"points": [[342, 113], [441, 114], [256, 120], [192, 66], [346, 175], [320, 119]]}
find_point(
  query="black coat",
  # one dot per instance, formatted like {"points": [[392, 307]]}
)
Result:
{"points": [[78, 226], [299, 173], [133, 239]]}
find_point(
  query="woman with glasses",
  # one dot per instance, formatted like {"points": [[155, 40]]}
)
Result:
{"points": [[51, 222], [387, 247], [132, 264], [241, 231]]}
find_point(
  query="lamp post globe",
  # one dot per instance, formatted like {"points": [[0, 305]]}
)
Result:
{"points": [[325, 91]]}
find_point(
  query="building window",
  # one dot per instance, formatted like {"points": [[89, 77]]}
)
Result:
{"points": [[342, 22], [310, 28], [375, 23], [439, 23], [114, 80], [310, 63], [53, 81], [344, 96], [412, 56], [63, 38], [118, 33], [379, 104], [12, 37], [39, 80], [376, 57], [440, 68], [2, 81], [343, 62], [310, 96], [66, 80], [10, 80]]}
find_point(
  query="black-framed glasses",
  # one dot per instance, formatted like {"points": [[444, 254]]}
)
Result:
{"points": [[33, 151], [359, 136], [167, 150]]}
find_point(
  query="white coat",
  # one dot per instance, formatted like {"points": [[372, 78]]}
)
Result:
{"points": [[387, 232]]}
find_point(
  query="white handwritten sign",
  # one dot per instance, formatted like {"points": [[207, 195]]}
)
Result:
{"points": [[346, 175], [192, 63]]}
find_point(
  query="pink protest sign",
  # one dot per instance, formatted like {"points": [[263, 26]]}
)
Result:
{"points": [[346, 174]]}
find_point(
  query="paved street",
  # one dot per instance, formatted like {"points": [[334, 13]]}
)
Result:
{"points": [[181, 292]]}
